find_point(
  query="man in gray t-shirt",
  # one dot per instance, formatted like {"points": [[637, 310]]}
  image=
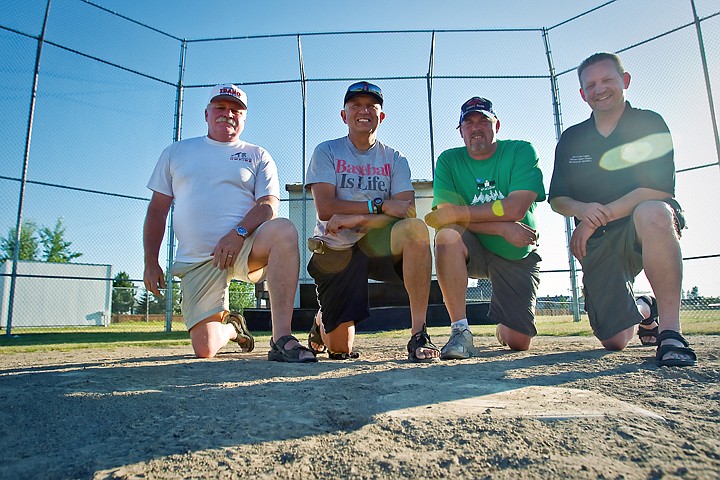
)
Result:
{"points": [[365, 228]]}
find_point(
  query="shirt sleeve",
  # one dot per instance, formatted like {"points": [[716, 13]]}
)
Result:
{"points": [[321, 168], [558, 183], [161, 178], [526, 174], [400, 179], [266, 177], [444, 189]]}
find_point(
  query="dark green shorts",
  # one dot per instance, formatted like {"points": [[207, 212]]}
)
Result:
{"points": [[612, 262], [514, 284]]}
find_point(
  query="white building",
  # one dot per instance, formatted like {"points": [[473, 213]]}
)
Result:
{"points": [[56, 294]]}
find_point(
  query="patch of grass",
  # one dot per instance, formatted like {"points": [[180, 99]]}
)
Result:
{"points": [[152, 334]]}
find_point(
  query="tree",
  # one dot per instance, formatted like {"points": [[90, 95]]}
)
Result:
{"points": [[149, 303], [123, 295], [242, 296], [28, 242], [694, 292], [153, 304], [55, 247]]}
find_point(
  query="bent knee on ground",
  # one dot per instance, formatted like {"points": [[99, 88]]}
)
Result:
{"points": [[620, 340], [515, 340], [341, 338]]}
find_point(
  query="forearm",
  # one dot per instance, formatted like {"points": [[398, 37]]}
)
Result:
{"points": [[624, 206], [620, 208], [505, 210], [566, 206], [488, 228], [335, 206], [153, 233], [257, 215]]}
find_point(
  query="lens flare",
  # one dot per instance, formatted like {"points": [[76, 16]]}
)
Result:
{"points": [[641, 150]]}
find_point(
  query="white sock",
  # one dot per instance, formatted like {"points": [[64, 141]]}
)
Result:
{"points": [[461, 324]]}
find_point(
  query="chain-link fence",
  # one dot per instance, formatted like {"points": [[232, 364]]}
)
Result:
{"points": [[87, 113]]}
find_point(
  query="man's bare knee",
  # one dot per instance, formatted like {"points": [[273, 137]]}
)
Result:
{"points": [[620, 340]]}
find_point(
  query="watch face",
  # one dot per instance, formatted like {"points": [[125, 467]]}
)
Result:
{"points": [[378, 201], [242, 231]]}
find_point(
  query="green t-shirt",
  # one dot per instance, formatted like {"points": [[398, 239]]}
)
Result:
{"points": [[462, 180]]}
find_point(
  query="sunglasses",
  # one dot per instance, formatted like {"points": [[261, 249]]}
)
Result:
{"points": [[365, 87]]}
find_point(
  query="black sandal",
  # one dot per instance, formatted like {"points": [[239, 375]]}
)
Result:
{"points": [[315, 337], [343, 355], [421, 340], [663, 350], [244, 338], [647, 331], [278, 352]]}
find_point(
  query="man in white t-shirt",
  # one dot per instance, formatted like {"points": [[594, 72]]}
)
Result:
{"points": [[226, 195], [366, 228]]}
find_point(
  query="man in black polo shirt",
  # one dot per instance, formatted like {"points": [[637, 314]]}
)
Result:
{"points": [[615, 174]]}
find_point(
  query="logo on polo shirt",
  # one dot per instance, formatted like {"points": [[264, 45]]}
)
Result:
{"points": [[240, 157], [580, 159]]}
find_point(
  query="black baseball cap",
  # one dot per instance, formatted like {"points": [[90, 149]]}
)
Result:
{"points": [[364, 88]]}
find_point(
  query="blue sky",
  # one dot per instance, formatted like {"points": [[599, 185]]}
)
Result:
{"points": [[101, 128]]}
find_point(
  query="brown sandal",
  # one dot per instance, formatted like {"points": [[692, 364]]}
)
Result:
{"points": [[244, 338]]}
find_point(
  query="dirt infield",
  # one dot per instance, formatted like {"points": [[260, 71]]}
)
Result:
{"points": [[566, 409]]}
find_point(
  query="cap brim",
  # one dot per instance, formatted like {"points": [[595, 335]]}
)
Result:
{"points": [[484, 112], [229, 97], [350, 95]]}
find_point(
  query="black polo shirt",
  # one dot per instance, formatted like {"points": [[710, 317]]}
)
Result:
{"points": [[593, 168]]}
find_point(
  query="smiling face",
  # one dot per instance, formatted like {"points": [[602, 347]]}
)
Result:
{"points": [[479, 133], [225, 119], [362, 114], [602, 86]]}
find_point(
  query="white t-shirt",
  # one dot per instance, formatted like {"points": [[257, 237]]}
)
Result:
{"points": [[358, 176], [214, 185]]}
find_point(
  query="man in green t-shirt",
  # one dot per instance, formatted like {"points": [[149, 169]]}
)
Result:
{"points": [[484, 212]]}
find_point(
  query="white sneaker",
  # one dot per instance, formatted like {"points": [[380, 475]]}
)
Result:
{"points": [[459, 346]]}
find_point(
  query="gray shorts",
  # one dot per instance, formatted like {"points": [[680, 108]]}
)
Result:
{"points": [[610, 266], [204, 287], [514, 284]]}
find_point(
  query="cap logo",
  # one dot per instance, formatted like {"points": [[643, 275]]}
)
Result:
{"points": [[229, 91]]}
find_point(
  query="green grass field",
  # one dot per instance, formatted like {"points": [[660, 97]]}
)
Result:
{"points": [[701, 322]]}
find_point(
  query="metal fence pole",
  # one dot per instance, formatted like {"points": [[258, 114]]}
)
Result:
{"points": [[557, 113], [23, 182], [177, 134], [303, 84], [431, 71], [706, 72]]}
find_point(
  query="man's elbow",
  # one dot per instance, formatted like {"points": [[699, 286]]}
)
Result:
{"points": [[556, 206], [323, 214]]}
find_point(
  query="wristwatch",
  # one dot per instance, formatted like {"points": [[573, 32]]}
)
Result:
{"points": [[377, 205], [242, 231]]}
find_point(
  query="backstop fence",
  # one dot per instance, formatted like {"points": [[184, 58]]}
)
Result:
{"points": [[90, 98]]}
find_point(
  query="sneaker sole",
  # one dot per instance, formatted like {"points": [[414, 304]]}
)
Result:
{"points": [[455, 356]]}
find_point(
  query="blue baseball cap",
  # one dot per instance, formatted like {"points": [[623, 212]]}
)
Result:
{"points": [[477, 104]]}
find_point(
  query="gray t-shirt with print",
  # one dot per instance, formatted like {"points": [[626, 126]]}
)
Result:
{"points": [[380, 172]]}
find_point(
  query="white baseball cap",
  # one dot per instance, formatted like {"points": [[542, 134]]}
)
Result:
{"points": [[230, 92]]}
